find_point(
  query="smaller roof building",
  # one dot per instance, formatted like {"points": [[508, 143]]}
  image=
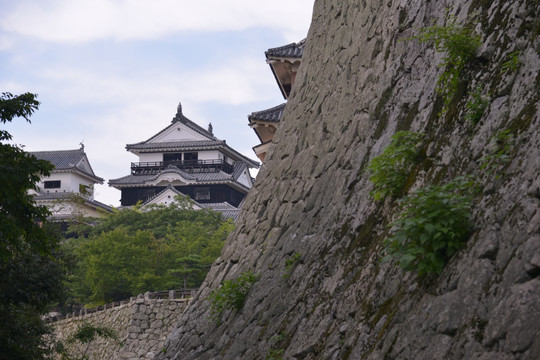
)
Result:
{"points": [[265, 123], [69, 190], [284, 62]]}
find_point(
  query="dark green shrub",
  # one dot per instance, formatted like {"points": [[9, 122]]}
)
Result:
{"points": [[434, 223], [390, 170]]}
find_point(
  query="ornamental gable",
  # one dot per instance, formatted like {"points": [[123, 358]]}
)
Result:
{"points": [[177, 132]]}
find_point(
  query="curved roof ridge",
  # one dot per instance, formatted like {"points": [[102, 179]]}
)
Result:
{"points": [[294, 50], [171, 169], [181, 118], [179, 143], [272, 114], [65, 160]]}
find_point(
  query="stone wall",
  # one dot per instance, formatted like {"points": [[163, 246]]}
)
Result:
{"points": [[362, 79], [141, 324]]}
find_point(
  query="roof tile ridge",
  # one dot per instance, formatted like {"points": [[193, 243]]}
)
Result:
{"points": [[300, 44], [57, 151], [267, 111]]}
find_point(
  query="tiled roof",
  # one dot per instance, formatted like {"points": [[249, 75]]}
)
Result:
{"points": [[169, 187], [201, 177], [271, 115], [175, 145], [66, 160], [211, 143], [225, 208], [238, 169], [292, 50], [228, 210], [179, 117], [62, 159], [43, 196]]}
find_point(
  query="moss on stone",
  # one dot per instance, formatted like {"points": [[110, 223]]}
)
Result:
{"points": [[377, 49], [404, 123], [523, 120], [389, 309], [380, 115], [363, 235]]}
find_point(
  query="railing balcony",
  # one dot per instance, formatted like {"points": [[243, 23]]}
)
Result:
{"points": [[191, 166]]}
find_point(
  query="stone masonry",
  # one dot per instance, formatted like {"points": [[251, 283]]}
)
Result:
{"points": [[142, 324], [363, 77]]}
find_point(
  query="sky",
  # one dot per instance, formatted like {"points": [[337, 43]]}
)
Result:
{"points": [[112, 72]]}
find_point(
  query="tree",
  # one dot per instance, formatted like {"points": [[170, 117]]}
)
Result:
{"points": [[115, 265], [132, 251], [31, 265], [187, 266], [20, 171]]}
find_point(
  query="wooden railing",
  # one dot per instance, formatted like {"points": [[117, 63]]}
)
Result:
{"points": [[153, 167]]}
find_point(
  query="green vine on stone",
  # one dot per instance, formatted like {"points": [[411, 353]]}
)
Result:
{"points": [[459, 44], [231, 295], [290, 263], [433, 224], [390, 170], [513, 62], [498, 153], [476, 106]]}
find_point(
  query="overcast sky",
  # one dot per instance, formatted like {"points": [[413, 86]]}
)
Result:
{"points": [[112, 72]]}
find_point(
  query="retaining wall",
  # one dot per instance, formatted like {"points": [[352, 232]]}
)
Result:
{"points": [[142, 325]]}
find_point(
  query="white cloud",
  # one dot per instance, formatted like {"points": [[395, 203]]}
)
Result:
{"points": [[78, 21], [234, 83]]}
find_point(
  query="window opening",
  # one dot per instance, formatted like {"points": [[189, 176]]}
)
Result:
{"points": [[51, 184]]}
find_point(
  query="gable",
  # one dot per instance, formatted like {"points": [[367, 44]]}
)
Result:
{"points": [[167, 197], [84, 165], [245, 179], [178, 132]]}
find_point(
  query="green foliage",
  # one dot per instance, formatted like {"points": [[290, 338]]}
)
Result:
{"points": [[459, 44], [389, 171], [19, 173], [133, 251], [513, 63], [275, 354], [85, 334], [186, 267], [476, 106], [433, 224], [116, 265], [231, 295], [290, 263], [498, 156], [31, 265]]}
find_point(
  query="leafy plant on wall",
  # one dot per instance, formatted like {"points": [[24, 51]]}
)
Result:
{"points": [[434, 222], [459, 44], [231, 295], [390, 170]]}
